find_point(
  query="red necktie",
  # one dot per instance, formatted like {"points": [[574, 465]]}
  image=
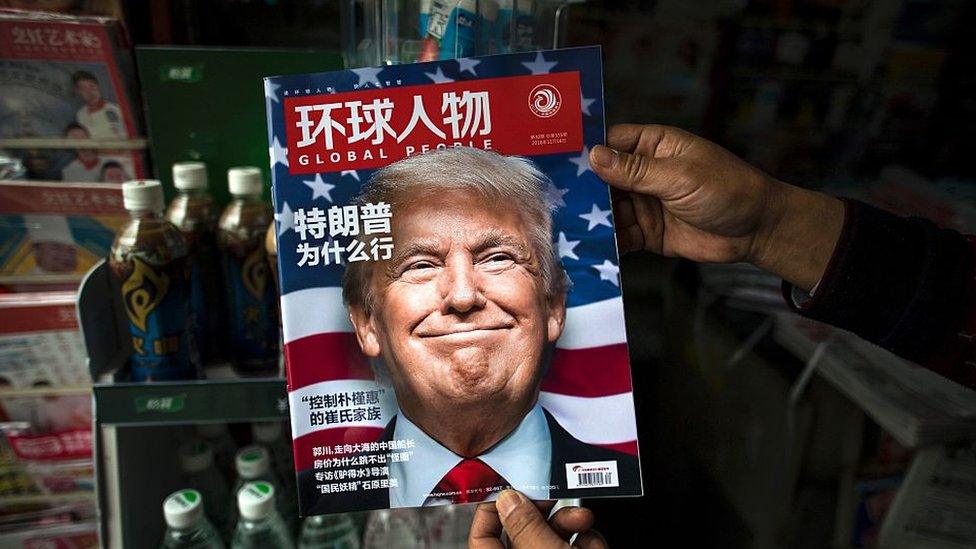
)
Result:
{"points": [[468, 482]]}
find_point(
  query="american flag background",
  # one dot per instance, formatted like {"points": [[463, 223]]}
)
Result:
{"points": [[588, 386]]}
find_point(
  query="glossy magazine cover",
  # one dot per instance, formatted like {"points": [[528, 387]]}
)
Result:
{"points": [[451, 306]]}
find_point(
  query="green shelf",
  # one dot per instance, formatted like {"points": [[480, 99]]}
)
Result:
{"points": [[204, 401]]}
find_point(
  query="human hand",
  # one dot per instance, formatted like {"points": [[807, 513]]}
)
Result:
{"points": [[526, 525], [677, 194]]}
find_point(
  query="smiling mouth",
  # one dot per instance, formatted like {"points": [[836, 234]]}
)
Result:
{"points": [[470, 331]]}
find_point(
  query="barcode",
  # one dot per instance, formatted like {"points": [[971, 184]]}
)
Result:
{"points": [[595, 479], [592, 474]]}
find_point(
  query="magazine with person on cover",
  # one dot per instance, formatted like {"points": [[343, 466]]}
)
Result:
{"points": [[451, 304]]}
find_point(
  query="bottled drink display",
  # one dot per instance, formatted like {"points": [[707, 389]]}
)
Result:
{"points": [[195, 214], [260, 526], [199, 473], [329, 532], [149, 259], [186, 524], [252, 305]]}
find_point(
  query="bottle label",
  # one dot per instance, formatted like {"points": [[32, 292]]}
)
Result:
{"points": [[253, 309], [155, 302]]}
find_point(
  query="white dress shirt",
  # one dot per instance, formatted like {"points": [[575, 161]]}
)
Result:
{"points": [[523, 458]]}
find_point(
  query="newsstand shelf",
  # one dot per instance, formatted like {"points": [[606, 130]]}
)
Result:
{"points": [[134, 404]]}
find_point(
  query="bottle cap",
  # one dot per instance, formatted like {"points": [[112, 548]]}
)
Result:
{"points": [[212, 430], [266, 432], [256, 500], [195, 456], [183, 508], [244, 181], [190, 176], [143, 195], [252, 462]]}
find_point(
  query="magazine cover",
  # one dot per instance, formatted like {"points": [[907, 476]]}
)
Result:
{"points": [[451, 306], [71, 77], [54, 228]]}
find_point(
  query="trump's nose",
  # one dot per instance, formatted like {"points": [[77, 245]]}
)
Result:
{"points": [[460, 288]]}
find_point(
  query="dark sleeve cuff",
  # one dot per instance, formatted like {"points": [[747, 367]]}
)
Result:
{"points": [[897, 282]]}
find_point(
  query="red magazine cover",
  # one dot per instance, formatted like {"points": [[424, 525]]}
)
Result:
{"points": [[70, 77]]}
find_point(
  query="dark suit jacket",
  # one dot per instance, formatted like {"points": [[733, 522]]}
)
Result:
{"points": [[565, 449]]}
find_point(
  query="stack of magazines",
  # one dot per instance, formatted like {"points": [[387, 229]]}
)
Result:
{"points": [[917, 406]]}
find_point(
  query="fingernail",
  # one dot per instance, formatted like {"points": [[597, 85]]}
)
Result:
{"points": [[507, 501], [603, 156]]}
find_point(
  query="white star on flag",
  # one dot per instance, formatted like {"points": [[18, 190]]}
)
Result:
{"points": [[566, 247], [271, 91], [467, 64], [320, 188], [609, 272], [582, 161], [585, 104], [555, 195], [540, 65], [278, 154], [353, 173], [368, 75], [597, 217], [438, 77], [285, 219]]}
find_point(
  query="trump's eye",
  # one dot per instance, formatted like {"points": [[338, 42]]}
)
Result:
{"points": [[497, 260], [500, 256], [419, 265]]}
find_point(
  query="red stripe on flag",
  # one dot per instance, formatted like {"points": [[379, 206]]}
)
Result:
{"points": [[303, 446], [325, 357], [593, 372], [628, 447]]}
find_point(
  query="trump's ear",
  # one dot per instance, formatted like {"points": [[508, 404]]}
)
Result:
{"points": [[362, 322], [557, 317]]}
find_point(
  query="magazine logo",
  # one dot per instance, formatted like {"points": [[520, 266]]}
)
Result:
{"points": [[544, 100], [53, 40], [371, 128]]}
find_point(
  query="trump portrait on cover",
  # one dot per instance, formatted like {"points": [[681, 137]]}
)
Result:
{"points": [[462, 321]]}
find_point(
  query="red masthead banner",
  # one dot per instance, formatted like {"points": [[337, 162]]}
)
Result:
{"points": [[519, 115]]}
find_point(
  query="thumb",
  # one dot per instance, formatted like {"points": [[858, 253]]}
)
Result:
{"points": [[631, 172], [523, 522]]}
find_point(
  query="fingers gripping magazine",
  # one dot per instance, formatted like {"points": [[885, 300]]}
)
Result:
{"points": [[451, 305]]}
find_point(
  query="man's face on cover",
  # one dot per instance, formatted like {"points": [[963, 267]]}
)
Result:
{"points": [[460, 312]]}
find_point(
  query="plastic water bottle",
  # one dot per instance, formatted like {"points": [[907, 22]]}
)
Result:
{"points": [[252, 299], [269, 435], [197, 464], [399, 528], [194, 212], [149, 259], [260, 525], [186, 525], [329, 532]]}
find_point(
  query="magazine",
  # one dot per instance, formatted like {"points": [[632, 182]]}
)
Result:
{"points": [[68, 77], [452, 314]]}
